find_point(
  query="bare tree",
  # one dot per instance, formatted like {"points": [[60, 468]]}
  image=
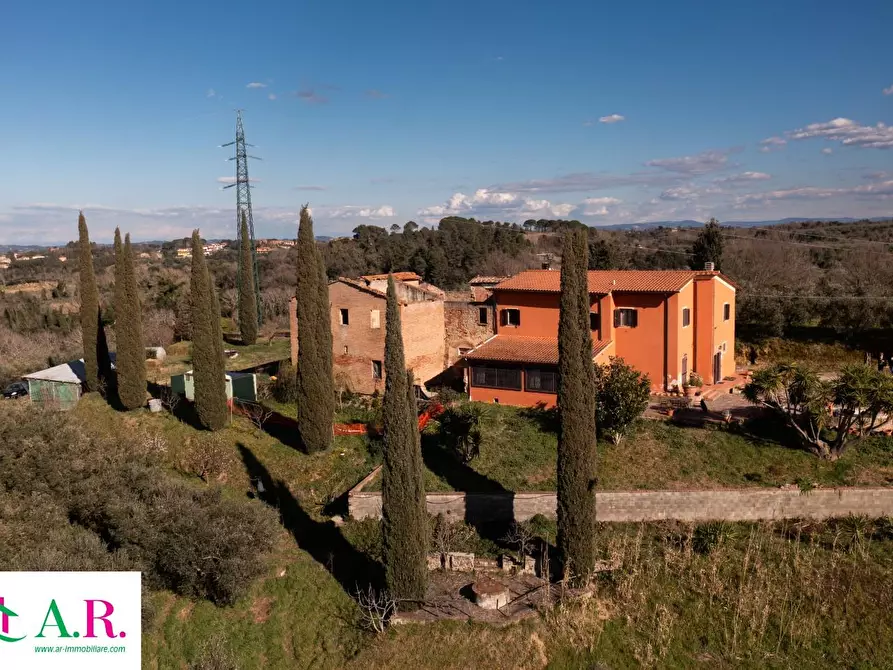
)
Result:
{"points": [[376, 609], [521, 536], [169, 399], [258, 413]]}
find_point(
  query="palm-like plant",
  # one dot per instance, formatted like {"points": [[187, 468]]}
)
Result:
{"points": [[825, 414]]}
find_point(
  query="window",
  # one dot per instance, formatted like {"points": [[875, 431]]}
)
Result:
{"points": [[346, 350], [375, 319], [344, 317], [543, 381], [626, 318], [726, 311], [511, 317], [595, 321], [376, 369], [496, 378], [482, 316], [685, 368], [686, 317]]}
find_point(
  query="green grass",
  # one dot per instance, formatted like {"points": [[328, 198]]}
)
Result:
{"points": [[316, 479], [179, 361], [785, 595], [301, 619], [520, 454], [717, 595]]}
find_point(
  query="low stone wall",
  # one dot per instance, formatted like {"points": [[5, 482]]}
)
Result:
{"points": [[753, 504]]}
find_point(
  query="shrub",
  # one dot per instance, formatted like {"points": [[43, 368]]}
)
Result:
{"points": [[285, 388], [190, 540], [460, 430], [622, 394]]}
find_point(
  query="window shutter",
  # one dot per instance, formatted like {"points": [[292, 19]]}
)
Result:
{"points": [[635, 319], [616, 318]]}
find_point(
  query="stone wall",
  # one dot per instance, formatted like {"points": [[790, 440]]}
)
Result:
{"points": [[723, 504], [463, 327]]}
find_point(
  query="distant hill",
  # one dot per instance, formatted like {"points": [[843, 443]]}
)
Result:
{"points": [[689, 223]]}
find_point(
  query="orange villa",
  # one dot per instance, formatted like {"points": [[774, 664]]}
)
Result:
{"points": [[665, 323]]}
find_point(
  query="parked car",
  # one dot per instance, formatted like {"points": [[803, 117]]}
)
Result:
{"points": [[16, 390]]}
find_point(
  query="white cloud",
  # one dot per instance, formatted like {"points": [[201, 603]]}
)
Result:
{"points": [[256, 84], [272, 96], [888, 91], [848, 133], [743, 178], [827, 151], [579, 182], [881, 190], [611, 118], [598, 206], [601, 201], [706, 161], [356, 211], [310, 187], [211, 93], [486, 202], [772, 144]]}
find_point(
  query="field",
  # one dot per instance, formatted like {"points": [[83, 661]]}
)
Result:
{"points": [[519, 453], [711, 595]]}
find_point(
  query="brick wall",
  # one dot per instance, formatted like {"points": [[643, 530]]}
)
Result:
{"points": [[463, 327], [423, 338], [729, 504], [358, 343]]}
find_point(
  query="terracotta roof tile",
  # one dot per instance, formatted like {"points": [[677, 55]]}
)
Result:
{"points": [[484, 279], [398, 276], [519, 349], [602, 281]]}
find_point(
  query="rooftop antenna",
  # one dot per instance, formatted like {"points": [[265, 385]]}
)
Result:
{"points": [[243, 204]]}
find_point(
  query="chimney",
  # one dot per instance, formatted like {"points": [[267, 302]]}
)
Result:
{"points": [[708, 266]]}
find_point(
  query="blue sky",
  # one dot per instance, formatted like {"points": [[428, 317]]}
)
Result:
{"points": [[379, 113]]}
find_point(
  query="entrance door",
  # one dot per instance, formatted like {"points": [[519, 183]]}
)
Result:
{"points": [[717, 367]]}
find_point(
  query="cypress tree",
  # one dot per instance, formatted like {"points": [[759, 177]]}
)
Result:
{"points": [[247, 296], [316, 386], [96, 352], [576, 404], [130, 361], [404, 526], [207, 343], [707, 247]]}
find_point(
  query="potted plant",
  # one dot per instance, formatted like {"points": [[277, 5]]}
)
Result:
{"points": [[696, 382], [688, 389]]}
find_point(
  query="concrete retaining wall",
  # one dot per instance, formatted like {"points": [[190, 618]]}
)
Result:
{"points": [[724, 504]]}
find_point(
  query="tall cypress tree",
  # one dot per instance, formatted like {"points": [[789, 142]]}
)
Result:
{"points": [[207, 343], [404, 526], [576, 404], [316, 386], [96, 352], [247, 296], [131, 359], [707, 247]]}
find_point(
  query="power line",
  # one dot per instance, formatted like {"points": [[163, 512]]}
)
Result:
{"points": [[829, 298], [803, 232]]}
